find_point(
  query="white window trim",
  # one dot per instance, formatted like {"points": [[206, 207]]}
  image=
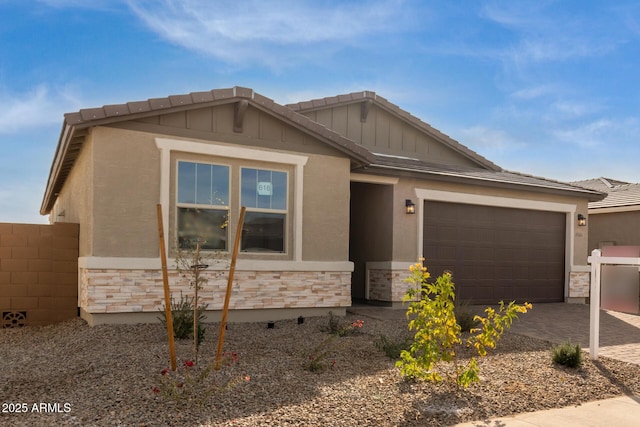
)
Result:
{"points": [[166, 146]]}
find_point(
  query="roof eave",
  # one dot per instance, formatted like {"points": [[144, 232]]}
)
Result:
{"points": [[112, 114], [453, 177], [54, 171]]}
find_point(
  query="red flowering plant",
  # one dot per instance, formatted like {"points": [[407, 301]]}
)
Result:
{"points": [[192, 383], [337, 328]]}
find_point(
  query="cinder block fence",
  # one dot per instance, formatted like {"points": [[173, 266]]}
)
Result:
{"points": [[38, 273]]}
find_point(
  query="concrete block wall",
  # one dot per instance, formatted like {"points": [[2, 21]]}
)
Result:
{"points": [[38, 273]]}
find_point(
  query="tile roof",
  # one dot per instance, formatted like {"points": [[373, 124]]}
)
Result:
{"points": [[75, 125], [618, 193], [487, 177], [355, 97]]}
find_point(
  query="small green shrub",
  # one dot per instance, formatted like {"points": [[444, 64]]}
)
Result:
{"points": [[182, 314], [318, 359], [392, 348], [333, 326], [567, 354]]}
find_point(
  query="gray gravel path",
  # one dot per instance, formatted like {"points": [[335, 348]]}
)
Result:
{"points": [[105, 376]]}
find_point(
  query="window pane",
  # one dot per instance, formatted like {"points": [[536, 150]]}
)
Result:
{"points": [[207, 224], [263, 232], [203, 184], [220, 185], [249, 185], [264, 189], [186, 182], [279, 198]]}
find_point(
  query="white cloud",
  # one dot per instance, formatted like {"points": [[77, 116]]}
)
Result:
{"points": [[481, 137], [534, 92], [568, 110], [271, 33], [39, 106], [601, 132], [548, 32]]}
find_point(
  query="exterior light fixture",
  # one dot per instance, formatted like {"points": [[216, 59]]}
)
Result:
{"points": [[582, 220], [410, 207]]}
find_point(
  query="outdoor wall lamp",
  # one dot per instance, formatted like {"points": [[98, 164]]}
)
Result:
{"points": [[582, 220], [410, 207]]}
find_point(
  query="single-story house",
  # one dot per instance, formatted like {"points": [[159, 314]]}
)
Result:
{"points": [[342, 194], [614, 220], [614, 228]]}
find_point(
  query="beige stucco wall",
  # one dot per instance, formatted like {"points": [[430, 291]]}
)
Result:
{"points": [[325, 222], [126, 184], [621, 228], [75, 202], [126, 188]]}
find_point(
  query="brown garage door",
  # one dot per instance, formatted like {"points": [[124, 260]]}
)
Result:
{"points": [[496, 253]]}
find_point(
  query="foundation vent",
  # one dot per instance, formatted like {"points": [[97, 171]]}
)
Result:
{"points": [[14, 319]]}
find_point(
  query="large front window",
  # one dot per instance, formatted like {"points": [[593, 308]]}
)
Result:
{"points": [[203, 205], [264, 194]]}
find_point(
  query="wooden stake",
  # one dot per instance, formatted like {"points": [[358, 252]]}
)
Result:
{"points": [[232, 269], [167, 294], [196, 267]]}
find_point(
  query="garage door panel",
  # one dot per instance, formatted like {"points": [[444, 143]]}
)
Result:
{"points": [[496, 253]]}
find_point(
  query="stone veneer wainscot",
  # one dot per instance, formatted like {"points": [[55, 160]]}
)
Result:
{"points": [[141, 290]]}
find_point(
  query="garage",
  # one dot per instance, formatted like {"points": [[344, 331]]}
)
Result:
{"points": [[496, 253]]}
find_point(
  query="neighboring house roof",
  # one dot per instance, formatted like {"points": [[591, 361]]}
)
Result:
{"points": [[619, 194], [75, 129], [75, 125], [364, 96]]}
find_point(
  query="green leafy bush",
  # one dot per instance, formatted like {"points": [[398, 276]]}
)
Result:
{"points": [[437, 332], [182, 314], [567, 354]]}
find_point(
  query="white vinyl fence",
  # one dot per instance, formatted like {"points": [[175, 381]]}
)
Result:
{"points": [[597, 260]]}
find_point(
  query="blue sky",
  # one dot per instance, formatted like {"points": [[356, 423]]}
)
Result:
{"points": [[548, 88]]}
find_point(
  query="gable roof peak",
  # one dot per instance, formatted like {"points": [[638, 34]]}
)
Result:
{"points": [[381, 102]]}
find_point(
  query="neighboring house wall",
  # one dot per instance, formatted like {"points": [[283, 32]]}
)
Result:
{"points": [[617, 228], [38, 273]]}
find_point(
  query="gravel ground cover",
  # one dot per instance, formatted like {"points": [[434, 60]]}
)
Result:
{"points": [[106, 375]]}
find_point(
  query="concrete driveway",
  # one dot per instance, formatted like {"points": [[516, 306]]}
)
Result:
{"points": [[557, 323]]}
